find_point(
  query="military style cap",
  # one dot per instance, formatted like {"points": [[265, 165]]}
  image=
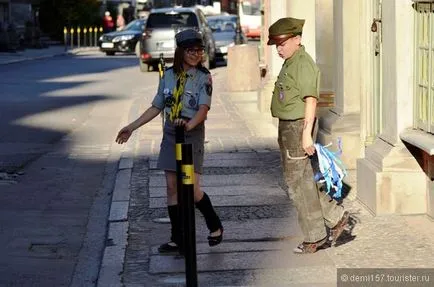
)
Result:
{"points": [[188, 38], [283, 29]]}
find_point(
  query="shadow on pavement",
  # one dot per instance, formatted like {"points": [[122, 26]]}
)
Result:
{"points": [[53, 215], [347, 235], [41, 87]]}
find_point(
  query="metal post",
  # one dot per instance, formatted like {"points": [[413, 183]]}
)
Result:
{"points": [[179, 140], [101, 32], [189, 213], [65, 38], [90, 36], [78, 37], [85, 37], [96, 35], [72, 38]]}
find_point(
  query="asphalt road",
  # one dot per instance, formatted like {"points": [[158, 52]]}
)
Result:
{"points": [[58, 120]]}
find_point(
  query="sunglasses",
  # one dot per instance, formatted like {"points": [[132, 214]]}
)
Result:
{"points": [[197, 51]]}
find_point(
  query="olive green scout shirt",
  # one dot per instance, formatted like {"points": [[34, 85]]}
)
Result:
{"points": [[298, 79]]}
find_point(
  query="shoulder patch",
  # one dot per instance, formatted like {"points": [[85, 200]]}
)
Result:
{"points": [[204, 70], [168, 72], [208, 84], [167, 69]]}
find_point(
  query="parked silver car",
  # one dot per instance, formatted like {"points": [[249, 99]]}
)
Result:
{"points": [[159, 35]]}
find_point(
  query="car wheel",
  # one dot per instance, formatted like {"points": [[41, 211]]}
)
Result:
{"points": [[110, 53], [143, 67], [137, 49]]}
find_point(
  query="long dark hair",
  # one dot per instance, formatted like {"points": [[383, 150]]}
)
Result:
{"points": [[178, 60]]}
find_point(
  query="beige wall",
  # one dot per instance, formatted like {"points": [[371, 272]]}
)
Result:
{"points": [[389, 178], [430, 198], [397, 68], [347, 56], [277, 11], [304, 9], [367, 59], [325, 43]]}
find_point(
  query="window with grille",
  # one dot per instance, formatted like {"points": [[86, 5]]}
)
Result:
{"points": [[424, 66]]}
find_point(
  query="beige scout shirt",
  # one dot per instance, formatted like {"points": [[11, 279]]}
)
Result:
{"points": [[298, 79]]}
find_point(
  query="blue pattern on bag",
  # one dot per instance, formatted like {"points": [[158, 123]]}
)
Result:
{"points": [[332, 170]]}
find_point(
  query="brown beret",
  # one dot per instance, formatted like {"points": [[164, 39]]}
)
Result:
{"points": [[283, 29]]}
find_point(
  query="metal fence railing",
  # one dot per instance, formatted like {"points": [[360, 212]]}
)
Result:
{"points": [[77, 37]]}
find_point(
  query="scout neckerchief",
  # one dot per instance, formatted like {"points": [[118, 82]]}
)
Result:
{"points": [[176, 108], [332, 171]]}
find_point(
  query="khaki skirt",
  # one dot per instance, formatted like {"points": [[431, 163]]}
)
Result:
{"points": [[196, 137]]}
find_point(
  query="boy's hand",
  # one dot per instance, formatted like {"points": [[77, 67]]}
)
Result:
{"points": [[307, 143]]}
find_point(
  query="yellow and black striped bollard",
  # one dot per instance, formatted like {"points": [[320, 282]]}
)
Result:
{"points": [[179, 141], [189, 215]]}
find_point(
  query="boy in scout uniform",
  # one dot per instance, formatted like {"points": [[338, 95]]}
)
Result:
{"points": [[294, 101]]}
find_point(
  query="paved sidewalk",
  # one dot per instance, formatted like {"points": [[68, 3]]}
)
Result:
{"points": [[34, 54], [243, 178]]}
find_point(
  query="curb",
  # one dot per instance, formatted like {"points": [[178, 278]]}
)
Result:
{"points": [[112, 263], [32, 58], [64, 53]]}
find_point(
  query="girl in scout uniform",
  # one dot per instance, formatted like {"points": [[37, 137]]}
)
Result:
{"points": [[294, 101], [184, 93]]}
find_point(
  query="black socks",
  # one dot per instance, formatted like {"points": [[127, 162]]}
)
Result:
{"points": [[211, 218]]}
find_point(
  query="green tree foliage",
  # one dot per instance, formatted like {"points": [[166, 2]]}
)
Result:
{"points": [[56, 14]]}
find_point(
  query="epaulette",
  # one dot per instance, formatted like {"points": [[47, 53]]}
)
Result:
{"points": [[204, 70]]}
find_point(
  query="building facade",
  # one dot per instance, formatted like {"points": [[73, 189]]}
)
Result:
{"points": [[18, 12], [377, 57]]}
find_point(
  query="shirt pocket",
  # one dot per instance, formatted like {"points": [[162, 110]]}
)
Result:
{"points": [[168, 98], [191, 99], [285, 90], [286, 94]]}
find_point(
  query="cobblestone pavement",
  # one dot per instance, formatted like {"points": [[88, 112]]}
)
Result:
{"points": [[243, 178]]}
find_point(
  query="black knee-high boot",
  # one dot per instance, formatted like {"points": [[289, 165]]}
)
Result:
{"points": [[211, 218], [176, 231]]}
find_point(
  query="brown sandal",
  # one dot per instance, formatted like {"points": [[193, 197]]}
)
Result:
{"points": [[336, 231], [309, 247]]}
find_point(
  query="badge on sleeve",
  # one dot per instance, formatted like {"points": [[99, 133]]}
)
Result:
{"points": [[208, 85], [192, 102]]}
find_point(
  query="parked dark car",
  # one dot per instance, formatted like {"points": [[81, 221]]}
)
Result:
{"points": [[159, 36], [224, 32], [125, 40]]}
